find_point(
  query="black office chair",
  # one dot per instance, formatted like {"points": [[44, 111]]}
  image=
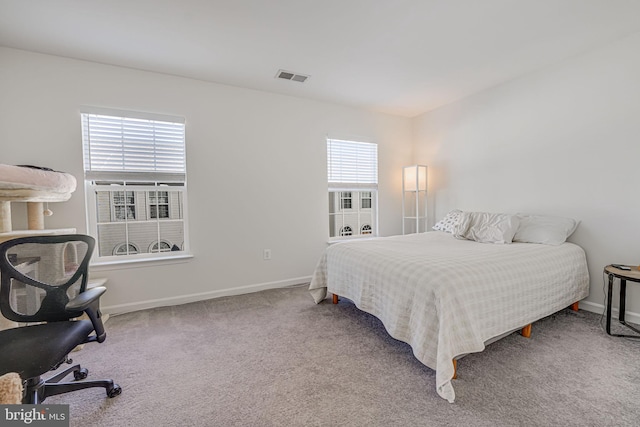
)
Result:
{"points": [[43, 280]]}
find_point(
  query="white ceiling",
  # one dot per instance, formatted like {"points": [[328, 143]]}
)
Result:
{"points": [[403, 57]]}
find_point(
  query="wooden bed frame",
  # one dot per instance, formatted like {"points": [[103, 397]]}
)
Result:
{"points": [[525, 332]]}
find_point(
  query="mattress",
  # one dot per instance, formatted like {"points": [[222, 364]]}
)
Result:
{"points": [[29, 184], [447, 297]]}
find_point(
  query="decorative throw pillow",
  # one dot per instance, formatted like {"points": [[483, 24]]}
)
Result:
{"points": [[548, 230], [487, 227], [449, 222]]}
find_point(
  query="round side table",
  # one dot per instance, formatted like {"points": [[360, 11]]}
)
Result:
{"points": [[632, 275]]}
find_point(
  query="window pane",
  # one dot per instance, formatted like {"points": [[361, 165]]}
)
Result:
{"points": [[352, 209], [118, 197], [119, 213], [171, 232], [352, 162], [113, 143], [140, 231], [125, 249], [163, 247], [109, 236], [346, 231], [163, 209], [365, 199], [345, 200]]}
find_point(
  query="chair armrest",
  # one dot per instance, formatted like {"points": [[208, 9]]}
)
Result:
{"points": [[82, 301], [88, 301]]}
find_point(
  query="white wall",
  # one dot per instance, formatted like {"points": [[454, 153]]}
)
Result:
{"points": [[253, 158], [563, 141]]}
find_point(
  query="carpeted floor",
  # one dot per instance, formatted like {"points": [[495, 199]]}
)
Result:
{"points": [[274, 358]]}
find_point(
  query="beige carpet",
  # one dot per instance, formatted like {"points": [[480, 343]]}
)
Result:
{"points": [[275, 358]]}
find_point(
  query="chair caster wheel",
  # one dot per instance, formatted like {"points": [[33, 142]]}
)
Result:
{"points": [[81, 374], [114, 391]]}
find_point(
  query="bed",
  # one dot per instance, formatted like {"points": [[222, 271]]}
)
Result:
{"points": [[446, 296]]}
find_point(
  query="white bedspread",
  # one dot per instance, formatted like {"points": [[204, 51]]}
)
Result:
{"points": [[446, 297]]}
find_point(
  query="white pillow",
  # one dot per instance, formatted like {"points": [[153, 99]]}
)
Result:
{"points": [[449, 222], [487, 227], [548, 230]]}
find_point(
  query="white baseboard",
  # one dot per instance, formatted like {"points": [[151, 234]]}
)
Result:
{"points": [[184, 299], [593, 307]]}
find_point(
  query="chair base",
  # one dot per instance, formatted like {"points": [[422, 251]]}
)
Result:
{"points": [[38, 389]]}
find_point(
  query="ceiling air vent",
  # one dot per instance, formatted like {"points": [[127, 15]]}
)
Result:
{"points": [[287, 75]]}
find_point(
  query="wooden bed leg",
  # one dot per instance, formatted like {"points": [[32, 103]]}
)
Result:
{"points": [[575, 305], [335, 298], [455, 369], [526, 331]]}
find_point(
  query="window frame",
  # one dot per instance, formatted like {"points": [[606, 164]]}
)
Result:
{"points": [[345, 176], [158, 180]]}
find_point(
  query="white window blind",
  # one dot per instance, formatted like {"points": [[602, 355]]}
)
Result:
{"points": [[352, 165], [133, 148]]}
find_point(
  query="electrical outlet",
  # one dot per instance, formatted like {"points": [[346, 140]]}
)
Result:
{"points": [[266, 254]]}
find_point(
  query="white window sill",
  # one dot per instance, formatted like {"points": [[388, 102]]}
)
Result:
{"points": [[139, 262], [353, 239]]}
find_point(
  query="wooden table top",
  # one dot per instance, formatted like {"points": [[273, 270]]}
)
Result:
{"points": [[633, 274]]}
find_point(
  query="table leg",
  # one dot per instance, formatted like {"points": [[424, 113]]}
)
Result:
{"points": [[609, 296], [623, 298]]}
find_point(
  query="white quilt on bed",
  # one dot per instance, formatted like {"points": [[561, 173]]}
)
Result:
{"points": [[447, 297]]}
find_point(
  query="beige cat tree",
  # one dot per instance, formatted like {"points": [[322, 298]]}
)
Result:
{"points": [[35, 186]]}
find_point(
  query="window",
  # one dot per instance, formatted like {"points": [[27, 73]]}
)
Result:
{"points": [[123, 205], [135, 181], [163, 246], [158, 204], [345, 200], [125, 249], [346, 231], [365, 200], [353, 187]]}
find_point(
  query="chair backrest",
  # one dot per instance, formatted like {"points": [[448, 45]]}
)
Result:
{"points": [[39, 275]]}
